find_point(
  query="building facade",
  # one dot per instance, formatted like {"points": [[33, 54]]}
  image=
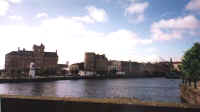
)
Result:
{"points": [[76, 67], [126, 67], [95, 62], [19, 61]]}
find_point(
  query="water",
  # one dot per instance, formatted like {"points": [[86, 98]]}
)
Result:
{"points": [[149, 89]]}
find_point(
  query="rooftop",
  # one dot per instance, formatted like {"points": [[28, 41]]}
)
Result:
{"points": [[31, 53]]}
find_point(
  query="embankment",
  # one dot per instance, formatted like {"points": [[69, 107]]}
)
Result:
{"points": [[46, 79], [10, 103], [190, 95]]}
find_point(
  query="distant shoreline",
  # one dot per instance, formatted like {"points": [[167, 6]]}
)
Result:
{"points": [[47, 79]]}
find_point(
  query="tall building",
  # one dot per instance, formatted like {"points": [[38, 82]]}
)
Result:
{"points": [[20, 60], [89, 62], [95, 62]]}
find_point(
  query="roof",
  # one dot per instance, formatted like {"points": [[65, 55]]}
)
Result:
{"points": [[31, 53], [62, 65], [50, 54], [177, 62]]}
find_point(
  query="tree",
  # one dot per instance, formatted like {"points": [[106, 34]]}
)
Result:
{"points": [[190, 66]]}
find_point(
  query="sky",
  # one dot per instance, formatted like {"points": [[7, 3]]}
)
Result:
{"points": [[136, 30]]}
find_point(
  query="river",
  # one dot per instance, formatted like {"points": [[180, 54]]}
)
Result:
{"points": [[146, 89]]}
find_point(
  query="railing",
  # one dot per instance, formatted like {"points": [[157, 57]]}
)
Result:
{"points": [[11, 103]]}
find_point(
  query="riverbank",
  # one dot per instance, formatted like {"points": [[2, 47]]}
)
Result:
{"points": [[55, 78], [190, 95], [13, 103]]}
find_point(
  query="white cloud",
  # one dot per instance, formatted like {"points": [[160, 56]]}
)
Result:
{"points": [[151, 50], [4, 6], [94, 15], [85, 19], [193, 5], [72, 39], [16, 18], [15, 1], [41, 15], [150, 58], [99, 15], [175, 28], [137, 10]]}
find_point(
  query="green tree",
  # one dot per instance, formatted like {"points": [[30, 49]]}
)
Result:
{"points": [[190, 66]]}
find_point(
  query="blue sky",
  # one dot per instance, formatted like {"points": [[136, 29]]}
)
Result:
{"points": [[137, 30]]}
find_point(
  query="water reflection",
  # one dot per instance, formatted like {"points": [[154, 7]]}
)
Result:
{"points": [[155, 89]]}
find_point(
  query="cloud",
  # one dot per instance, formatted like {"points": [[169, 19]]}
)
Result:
{"points": [[4, 6], [151, 50], [175, 28], [72, 39], [94, 15], [99, 15], [42, 15], [16, 18], [75, 38], [84, 19], [137, 10], [193, 5], [15, 1], [150, 58]]}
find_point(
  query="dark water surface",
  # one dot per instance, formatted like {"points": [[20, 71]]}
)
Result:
{"points": [[149, 89]]}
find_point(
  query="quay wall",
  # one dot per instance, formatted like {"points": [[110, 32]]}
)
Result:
{"points": [[11, 103], [190, 95], [47, 79]]}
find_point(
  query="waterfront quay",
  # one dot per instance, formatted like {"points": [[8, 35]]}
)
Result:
{"points": [[38, 62], [74, 77], [13, 103], [190, 95]]}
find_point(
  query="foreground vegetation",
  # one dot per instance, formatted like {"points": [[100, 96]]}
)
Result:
{"points": [[190, 66]]}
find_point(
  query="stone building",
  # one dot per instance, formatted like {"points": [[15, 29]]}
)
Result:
{"points": [[76, 67], [95, 62], [19, 61], [135, 68], [114, 65], [89, 62], [127, 67]]}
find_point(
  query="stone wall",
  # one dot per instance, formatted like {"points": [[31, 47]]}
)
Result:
{"points": [[190, 95]]}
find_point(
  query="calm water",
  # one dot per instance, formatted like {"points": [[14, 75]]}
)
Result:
{"points": [[153, 89]]}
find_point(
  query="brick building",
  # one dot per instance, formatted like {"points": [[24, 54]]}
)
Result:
{"points": [[125, 66], [132, 68], [76, 67], [95, 62], [19, 61]]}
